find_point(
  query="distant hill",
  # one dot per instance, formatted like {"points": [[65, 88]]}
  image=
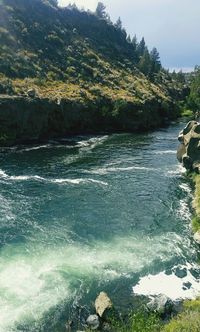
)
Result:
{"points": [[64, 54]]}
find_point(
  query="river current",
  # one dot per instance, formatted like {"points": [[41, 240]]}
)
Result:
{"points": [[87, 214]]}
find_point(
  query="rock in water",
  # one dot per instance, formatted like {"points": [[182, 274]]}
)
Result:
{"points": [[161, 304], [102, 304], [93, 322]]}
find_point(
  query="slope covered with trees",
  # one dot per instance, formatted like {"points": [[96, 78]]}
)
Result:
{"points": [[75, 59]]}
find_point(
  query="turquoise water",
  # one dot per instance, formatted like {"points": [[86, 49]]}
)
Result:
{"points": [[88, 214]]}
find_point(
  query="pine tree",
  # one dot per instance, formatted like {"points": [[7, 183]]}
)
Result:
{"points": [[134, 42], [129, 39], [180, 77], [194, 97], [145, 62], [101, 10], [141, 47], [118, 24], [72, 6], [155, 61]]}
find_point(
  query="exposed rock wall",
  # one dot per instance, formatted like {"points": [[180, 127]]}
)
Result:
{"points": [[189, 149], [25, 119]]}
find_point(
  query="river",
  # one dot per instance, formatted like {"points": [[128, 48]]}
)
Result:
{"points": [[85, 214]]}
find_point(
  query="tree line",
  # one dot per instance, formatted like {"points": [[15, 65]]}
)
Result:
{"points": [[148, 62]]}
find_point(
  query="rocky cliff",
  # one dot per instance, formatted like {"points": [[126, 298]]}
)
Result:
{"points": [[66, 71], [189, 149], [26, 119]]}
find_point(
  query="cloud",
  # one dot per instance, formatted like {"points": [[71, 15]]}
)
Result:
{"points": [[172, 26]]}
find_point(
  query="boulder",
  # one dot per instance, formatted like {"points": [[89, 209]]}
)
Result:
{"points": [[181, 272], [32, 93], [93, 322], [161, 304], [188, 151], [189, 126], [180, 152], [102, 304], [187, 285]]}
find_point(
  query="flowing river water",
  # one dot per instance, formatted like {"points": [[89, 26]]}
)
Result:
{"points": [[88, 214]]}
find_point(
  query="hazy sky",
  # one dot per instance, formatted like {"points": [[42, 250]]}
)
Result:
{"points": [[173, 26]]}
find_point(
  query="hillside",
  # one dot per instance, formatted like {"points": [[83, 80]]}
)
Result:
{"points": [[81, 67]]}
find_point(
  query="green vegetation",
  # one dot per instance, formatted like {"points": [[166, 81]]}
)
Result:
{"points": [[140, 321], [193, 101], [45, 43], [143, 321], [83, 68], [196, 203], [188, 320], [187, 113]]}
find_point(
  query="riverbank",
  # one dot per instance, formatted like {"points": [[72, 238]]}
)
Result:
{"points": [[187, 319], [37, 118], [196, 204]]}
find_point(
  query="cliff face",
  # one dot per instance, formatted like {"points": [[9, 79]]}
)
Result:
{"points": [[24, 119], [189, 149], [65, 71]]}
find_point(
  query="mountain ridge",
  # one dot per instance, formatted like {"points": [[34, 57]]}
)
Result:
{"points": [[64, 56]]}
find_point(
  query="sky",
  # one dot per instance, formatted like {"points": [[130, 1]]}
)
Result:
{"points": [[173, 26]]}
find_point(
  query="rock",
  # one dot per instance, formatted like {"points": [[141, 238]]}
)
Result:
{"points": [[161, 304], [196, 168], [181, 137], [181, 152], [102, 304], [187, 285], [93, 322], [197, 237], [181, 273], [188, 151], [69, 325], [106, 327], [187, 162], [189, 126], [32, 93]]}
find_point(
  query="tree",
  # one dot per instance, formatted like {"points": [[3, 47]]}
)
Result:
{"points": [[134, 42], [194, 97], [101, 10], [145, 62], [155, 61], [118, 24], [141, 47], [180, 77], [129, 39], [72, 6]]}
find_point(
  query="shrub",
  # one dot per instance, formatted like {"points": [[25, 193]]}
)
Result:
{"points": [[188, 320], [141, 321]]}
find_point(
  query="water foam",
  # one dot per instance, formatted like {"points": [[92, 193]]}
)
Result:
{"points": [[34, 279], [92, 142], [165, 152], [169, 285], [50, 180], [107, 170]]}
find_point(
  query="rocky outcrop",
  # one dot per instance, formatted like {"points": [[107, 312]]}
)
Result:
{"points": [[102, 304], [93, 322], [189, 149], [161, 304], [28, 118]]}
